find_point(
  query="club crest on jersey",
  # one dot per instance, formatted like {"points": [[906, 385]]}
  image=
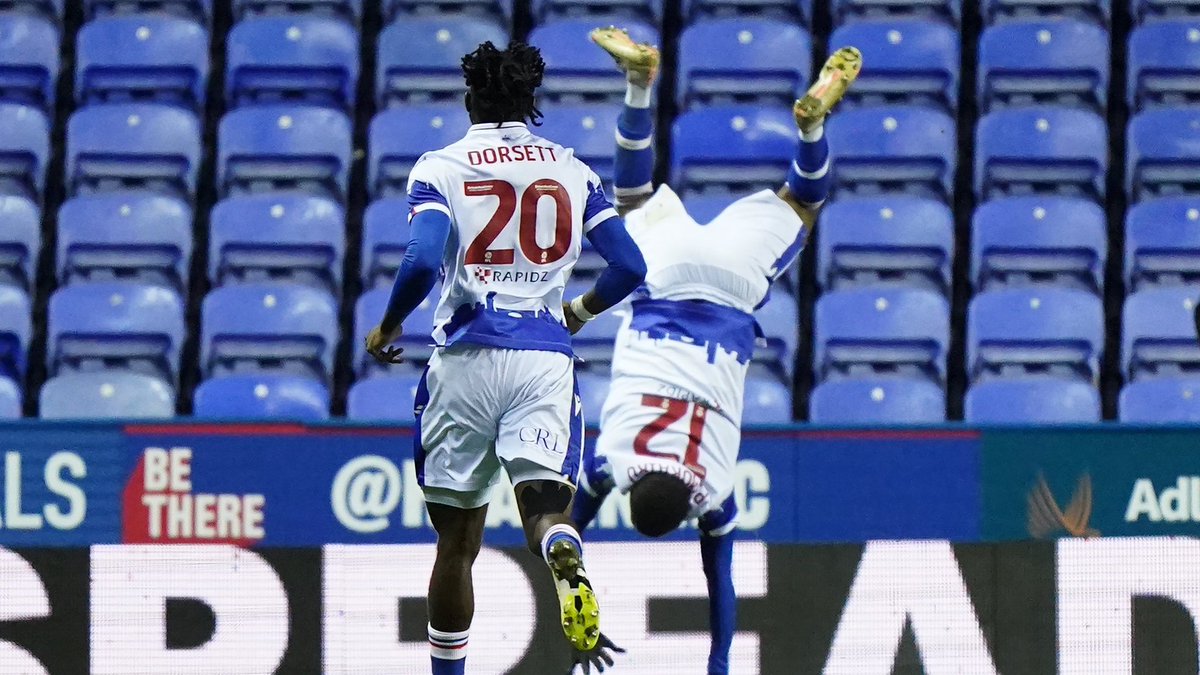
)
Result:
{"points": [[485, 275]]}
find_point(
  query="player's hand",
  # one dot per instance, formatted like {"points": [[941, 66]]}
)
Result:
{"points": [[378, 345], [574, 324], [600, 656]]}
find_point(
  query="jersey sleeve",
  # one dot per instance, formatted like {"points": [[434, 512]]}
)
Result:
{"points": [[597, 208], [427, 188]]}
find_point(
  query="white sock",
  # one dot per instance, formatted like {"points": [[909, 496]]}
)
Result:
{"points": [[637, 96], [562, 529], [448, 646], [814, 135]]}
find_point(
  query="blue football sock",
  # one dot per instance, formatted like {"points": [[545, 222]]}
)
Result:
{"points": [[448, 652], [559, 533]]}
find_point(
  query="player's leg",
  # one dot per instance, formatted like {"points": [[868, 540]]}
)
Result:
{"points": [[634, 166], [451, 600]]}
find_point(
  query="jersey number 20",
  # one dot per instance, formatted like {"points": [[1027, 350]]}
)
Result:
{"points": [[478, 252]]}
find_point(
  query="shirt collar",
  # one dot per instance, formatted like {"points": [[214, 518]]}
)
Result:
{"points": [[491, 126]]}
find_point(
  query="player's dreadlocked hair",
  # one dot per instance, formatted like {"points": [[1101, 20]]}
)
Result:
{"points": [[502, 83]]}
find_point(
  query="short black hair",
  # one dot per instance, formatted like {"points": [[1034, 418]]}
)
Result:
{"points": [[658, 503], [501, 83]]}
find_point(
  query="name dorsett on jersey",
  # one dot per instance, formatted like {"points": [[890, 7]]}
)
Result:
{"points": [[519, 207]]}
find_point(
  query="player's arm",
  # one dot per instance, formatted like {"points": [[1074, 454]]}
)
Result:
{"points": [[716, 549], [626, 268]]}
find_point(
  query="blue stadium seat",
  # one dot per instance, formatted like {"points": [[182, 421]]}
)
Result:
{"points": [[384, 399], [888, 149], [1053, 61], [385, 237], [292, 59], [848, 11], [575, 68], [268, 328], [108, 395], [792, 11], [125, 236], [767, 400], [15, 331], [281, 147], [20, 241], [1158, 336], [347, 10], [779, 319], [881, 331], [904, 62], [1021, 241], [52, 10], [262, 397], [588, 129], [24, 150], [1162, 243], [873, 241], [600, 11], [1015, 332], [593, 391], [29, 60], [594, 343], [398, 137], [1143, 11], [395, 10], [704, 208], [1034, 400], [416, 341], [1164, 64], [1041, 150], [142, 58], [10, 400], [877, 400], [731, 149], [420, 58], [1166, 400], [277, 238], [115, 326], [197, 10], [133, 146], [742, 60], [999, 11], [1164, 153]]}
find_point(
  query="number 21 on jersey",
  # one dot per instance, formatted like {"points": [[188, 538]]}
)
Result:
{"points": [[673, 410], [526, 211]]}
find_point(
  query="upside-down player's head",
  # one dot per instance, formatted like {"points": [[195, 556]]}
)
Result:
{"points": [[659, 503], [501, 83]]}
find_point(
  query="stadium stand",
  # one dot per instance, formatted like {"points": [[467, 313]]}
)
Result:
{"points": [[20, 241], [1159, 334], [294, 59], [1016, 332], [106, 395], [284, 147], [736, 60], [1041, 150], [878, 400], [847, 11], [1032, 401], [124, 59], [875, 331], [262, 396], [1165, 400], [731, 149], [419, 57], [887, 149], [395, 147], [905, 62], [29, 60], [1164, 64], [143, 146], [1039, 240], [1164, 153], [1162, 243], [576, 72], [1044, 62]]}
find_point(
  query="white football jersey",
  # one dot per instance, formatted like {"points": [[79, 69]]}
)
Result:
{"points": [[520, 206]]}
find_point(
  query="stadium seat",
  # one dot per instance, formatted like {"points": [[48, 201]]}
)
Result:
{"points": [[20, 241], [779, 319], [281, 147], [115, 326], [142, 58], [29, 60], [1164, 64], [1041, 150], [292, 59], [1144, 11], [268, 328], [873, 241], [398, 137], [52, 10], [125, 236], [395, 10], [888, 149], [10, 400], [1052, 61], [588, 129], [15, 331], [1033, 400], [705, 208], [133, 146], [1020, 241], [1158, 336], [731, 149], [1164, 153], [277, 238], [1016, 332], [999, 11], [24, 150], [1162, 243], [384, 399], [347, 10], [742, 60], [848, 11], [416, 340], [767, 400], [904, 62], [877, 400], [385, 237], [600, 11], [262, 397], [593, 391], [107, 395], [197, 10], [881, 331], [576, 70], [420, 58], [1165, 400]]}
